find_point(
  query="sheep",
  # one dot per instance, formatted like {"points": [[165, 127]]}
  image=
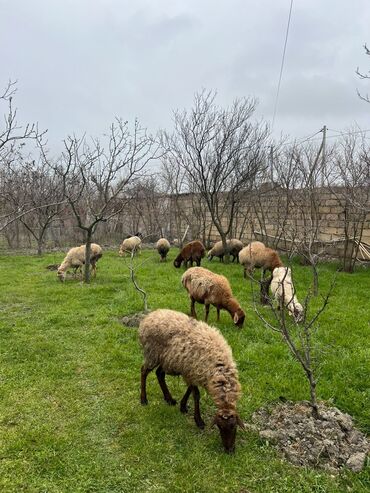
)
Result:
{"points": [[282, 289], [233, 248], [131, 244], [256, 254], [163, 247], [191, 252], [209, 288], [176, 344], [75, 259]]}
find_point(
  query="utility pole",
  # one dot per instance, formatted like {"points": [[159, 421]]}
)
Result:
{"points": [[323, 155]]}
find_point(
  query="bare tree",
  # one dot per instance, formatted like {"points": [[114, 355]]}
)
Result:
{"points": [[39, 187], [362, 75], [221, 152], [96, 178], [180, 195], [349, 183], [149, 208], [299, 337], [307, 201], [13, 137]]}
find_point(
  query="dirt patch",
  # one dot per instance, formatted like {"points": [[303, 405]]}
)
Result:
{"points": [[134, 319], [52, 266], [329, 443]]}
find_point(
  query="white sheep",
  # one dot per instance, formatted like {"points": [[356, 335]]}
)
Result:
{"points": [[208, 288], [283, 290], [163, 247], [176, 344], [233, 248], [75, 259], [132, 244]]}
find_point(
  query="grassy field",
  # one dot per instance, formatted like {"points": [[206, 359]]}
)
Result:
{"points": [[70, 418]]}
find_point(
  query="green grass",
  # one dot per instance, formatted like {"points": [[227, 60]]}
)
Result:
{"points": [[70, 418]]}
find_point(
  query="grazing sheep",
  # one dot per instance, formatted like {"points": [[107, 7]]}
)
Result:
{"points": [[163, 247], [75, 259], [191, 252], [233, 248], [283, 290], [179, 345], [256, 254], [209, 288], [131, 244]]}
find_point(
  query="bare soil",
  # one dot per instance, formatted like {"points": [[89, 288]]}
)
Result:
{"points": [[329, 443], [134, 319]]}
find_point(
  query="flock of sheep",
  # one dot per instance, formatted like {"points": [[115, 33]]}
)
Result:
{"points": [[176, 344]]}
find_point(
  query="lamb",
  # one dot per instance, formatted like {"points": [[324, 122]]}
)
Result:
{"points": [[131, 244], [209, 288], [256, 254], [163, 247], [191, 252], [176, 344], [283, 290], [75, 259], [233, 248]]}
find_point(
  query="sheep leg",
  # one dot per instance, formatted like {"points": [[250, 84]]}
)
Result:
{"points": [[193, 313], [184, 400], [207, 312], [162, 383], [218, 314], [144, 373], [197, 417]]}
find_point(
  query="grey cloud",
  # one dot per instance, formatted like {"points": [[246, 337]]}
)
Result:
{"points": [[81, 63]]}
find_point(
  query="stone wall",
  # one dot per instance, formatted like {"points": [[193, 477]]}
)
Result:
{"points": [[325, 217]]}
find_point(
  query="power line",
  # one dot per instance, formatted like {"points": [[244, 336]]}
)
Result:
{"points": [[282, 64]]}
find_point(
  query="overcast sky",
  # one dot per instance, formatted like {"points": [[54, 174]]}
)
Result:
{"points": [[80, 63]]}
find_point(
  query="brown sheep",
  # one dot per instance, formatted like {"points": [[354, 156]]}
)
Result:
{"points": [[208, 288], [256, 254], [191, 252], [179, 345]]}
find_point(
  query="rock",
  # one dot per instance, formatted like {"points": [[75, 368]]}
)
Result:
{"points": [[356, 461], [268, 435], [345, 421]]}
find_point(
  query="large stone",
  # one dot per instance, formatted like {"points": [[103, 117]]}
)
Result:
{"points": [[356, 461]]}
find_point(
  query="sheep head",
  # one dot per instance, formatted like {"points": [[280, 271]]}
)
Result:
{"points": [[61, 275], [227, 420], [298, 312], [239, 317], [177, 262]]}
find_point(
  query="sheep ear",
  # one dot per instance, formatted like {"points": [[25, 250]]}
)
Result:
{"points": [[236, 318]]}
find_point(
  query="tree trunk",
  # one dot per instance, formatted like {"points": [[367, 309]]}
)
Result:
{"points": [[224, 246], [39, 246], [315, 280], [87, 256], [313, 397]]}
